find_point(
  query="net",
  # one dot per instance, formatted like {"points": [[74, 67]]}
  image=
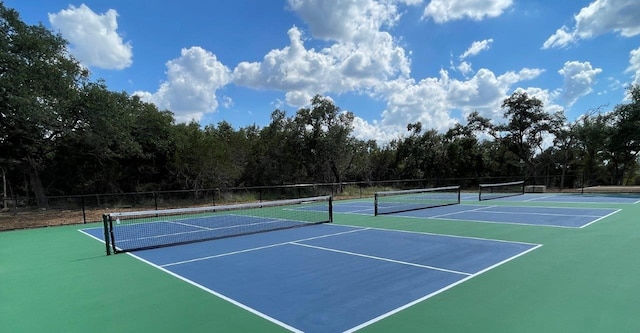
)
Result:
{"points": [[129, 231], [500, 190], [389, 202]]}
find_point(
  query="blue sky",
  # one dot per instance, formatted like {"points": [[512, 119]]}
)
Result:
{"points": [[390, 62]]}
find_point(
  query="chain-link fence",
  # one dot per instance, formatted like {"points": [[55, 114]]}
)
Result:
{"points": [[23, 212]]}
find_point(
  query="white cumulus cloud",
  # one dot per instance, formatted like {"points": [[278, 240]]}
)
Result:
{"points": [[600, 17], [579, 78], [433, 100], [464, 68], [477, 47], [345, 21], [442, 11], [93, 37], [359, 57], [192, 81], [634, 65]]}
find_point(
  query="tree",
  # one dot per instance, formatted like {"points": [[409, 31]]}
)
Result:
{"points": [[593, 132], [624, 141], [326, 131], [464, 154], [565, 144], [38, 91], [525, 131], [275, 157], [527, 126], [497, 158]]}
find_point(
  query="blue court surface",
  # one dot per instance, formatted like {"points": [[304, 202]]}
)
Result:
{"points": [[562, 217], [575, 198], [330, 278]]}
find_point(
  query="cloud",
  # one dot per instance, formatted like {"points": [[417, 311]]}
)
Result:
{"points": [[561, 38], [547, 97], [579, 78], [192, 81], [634, 65], [300, 72], [359, 57], [434, 101], [363, 130], [600, 17], [442, 11], [345, 21], [93, 37], [464, 68], [476, 47]]}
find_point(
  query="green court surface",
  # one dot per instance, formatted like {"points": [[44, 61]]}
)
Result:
{"points": [[58, 279]]}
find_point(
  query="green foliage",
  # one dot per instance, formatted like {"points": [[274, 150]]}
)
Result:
{"points": [[38, 95], [62, 134]]}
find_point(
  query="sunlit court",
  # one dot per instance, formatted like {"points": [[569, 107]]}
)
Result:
{"points": [[320, 166], [289, 263]]}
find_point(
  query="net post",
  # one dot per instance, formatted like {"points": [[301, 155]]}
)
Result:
{"points": [[331, 209], [112, 235], [84, 212], [459, 195], [375, 204], [107, 241]]}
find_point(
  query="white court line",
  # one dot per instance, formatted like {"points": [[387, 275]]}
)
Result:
{"points": [[189, 225], [228, 299], [517, 223], [462, 211], [382, 259], [367, 323], [538, 198], [435, 234], [539, 214], [396, 310], [92, 236], [293, 329], [355, 211], [571, 195], [596, 220], [260, 248], [482, 209], [494, 222]]}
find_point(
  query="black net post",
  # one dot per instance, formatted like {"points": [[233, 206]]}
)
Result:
{"points": [[375, 204], [105, 223], [84, 213], [330, 209], [112, 235]]}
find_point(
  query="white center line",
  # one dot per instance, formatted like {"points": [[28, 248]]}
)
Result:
{"points": [[383, 259]]}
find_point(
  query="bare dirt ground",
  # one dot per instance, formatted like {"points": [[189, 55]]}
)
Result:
{"points": [[33, 218]]}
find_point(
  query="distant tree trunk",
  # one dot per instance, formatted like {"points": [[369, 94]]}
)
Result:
{"points": [[36, 185], [4, 190], [336, 175]]}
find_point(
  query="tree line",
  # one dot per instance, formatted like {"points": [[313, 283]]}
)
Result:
{"points": [[62, 133]]}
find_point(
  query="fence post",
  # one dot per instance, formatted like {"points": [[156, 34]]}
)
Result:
{"points": [[155, 199], [84, 213]]}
